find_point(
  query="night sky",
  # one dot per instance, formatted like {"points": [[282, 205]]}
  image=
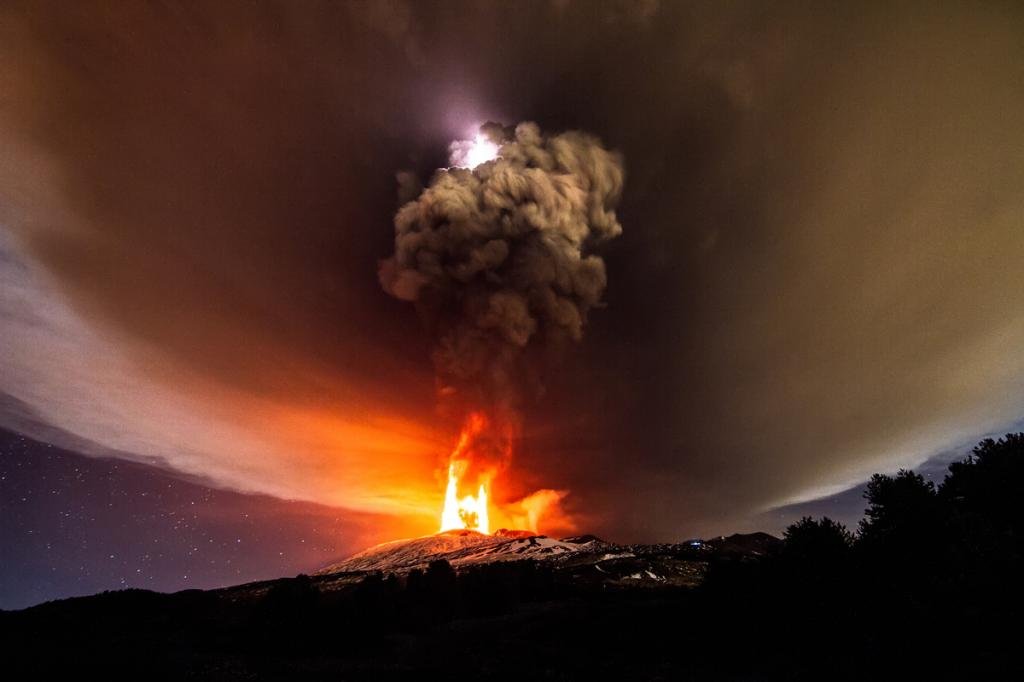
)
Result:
{"points": [[74, 525], [818, 275]]}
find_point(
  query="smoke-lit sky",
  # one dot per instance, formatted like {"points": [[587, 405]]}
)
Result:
{"points": [[818, 274]]}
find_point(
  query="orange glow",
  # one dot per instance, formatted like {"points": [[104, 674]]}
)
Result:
{"points": [[464, 512], [479, 459], [473, 463]]}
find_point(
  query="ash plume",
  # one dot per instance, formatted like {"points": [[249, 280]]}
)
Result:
{"points": [[500, 260]]}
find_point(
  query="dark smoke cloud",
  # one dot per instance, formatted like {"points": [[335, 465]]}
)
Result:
{"points": [[819, 277], [500, 258]]}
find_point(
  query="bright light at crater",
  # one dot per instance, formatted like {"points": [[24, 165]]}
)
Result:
{"points": [[472, 153]]}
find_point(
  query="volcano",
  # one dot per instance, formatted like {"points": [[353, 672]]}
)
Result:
{"points": [[460, 548], [404, 610], [582, 559]]}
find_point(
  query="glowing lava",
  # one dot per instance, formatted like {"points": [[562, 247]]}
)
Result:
{"points": [[471, 465], [464, 512], [481, 455]]}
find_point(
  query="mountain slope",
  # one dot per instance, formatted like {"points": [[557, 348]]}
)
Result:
{"points": [[459, 548], [581, 560]]}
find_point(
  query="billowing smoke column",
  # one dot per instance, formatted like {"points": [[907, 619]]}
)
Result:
{"points": [[499, 260]]}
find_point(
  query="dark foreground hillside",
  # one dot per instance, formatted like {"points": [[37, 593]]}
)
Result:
{"points": [[928, 588]]}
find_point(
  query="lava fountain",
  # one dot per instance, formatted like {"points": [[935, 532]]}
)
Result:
{"points": [[483, 449], [498, 254], [468, 512]]}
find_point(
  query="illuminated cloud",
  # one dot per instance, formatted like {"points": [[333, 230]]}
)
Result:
{"points": [[821, 275]]}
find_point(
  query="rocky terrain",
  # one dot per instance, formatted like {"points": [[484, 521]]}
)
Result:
{"points": [[584, 559]]}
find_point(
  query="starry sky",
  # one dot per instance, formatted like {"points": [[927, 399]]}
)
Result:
{"points": [[74, 525], [817, 277]]}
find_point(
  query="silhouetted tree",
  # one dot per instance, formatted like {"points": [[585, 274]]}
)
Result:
{"points": [[286, 612], [824, 543], [983, 494], [904, 517], [990, 484], [290, 598], [373, 600], [430, 596], [812, 578]]}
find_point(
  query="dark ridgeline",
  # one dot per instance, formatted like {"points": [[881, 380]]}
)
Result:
{"points": [[928, 588]]}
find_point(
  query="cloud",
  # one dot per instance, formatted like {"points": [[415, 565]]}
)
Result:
{"points": [[500, 258], [819, 276], [107, 401]]}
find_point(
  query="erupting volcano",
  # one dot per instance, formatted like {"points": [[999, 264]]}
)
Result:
{"points": [[483, 450], [498, 255], [466, 511], [469, 512]]}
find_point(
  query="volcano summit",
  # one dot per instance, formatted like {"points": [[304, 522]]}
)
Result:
{"points": [[582, 559]]}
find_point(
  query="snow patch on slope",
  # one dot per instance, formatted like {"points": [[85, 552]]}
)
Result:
{"points": [[459, 548]]}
